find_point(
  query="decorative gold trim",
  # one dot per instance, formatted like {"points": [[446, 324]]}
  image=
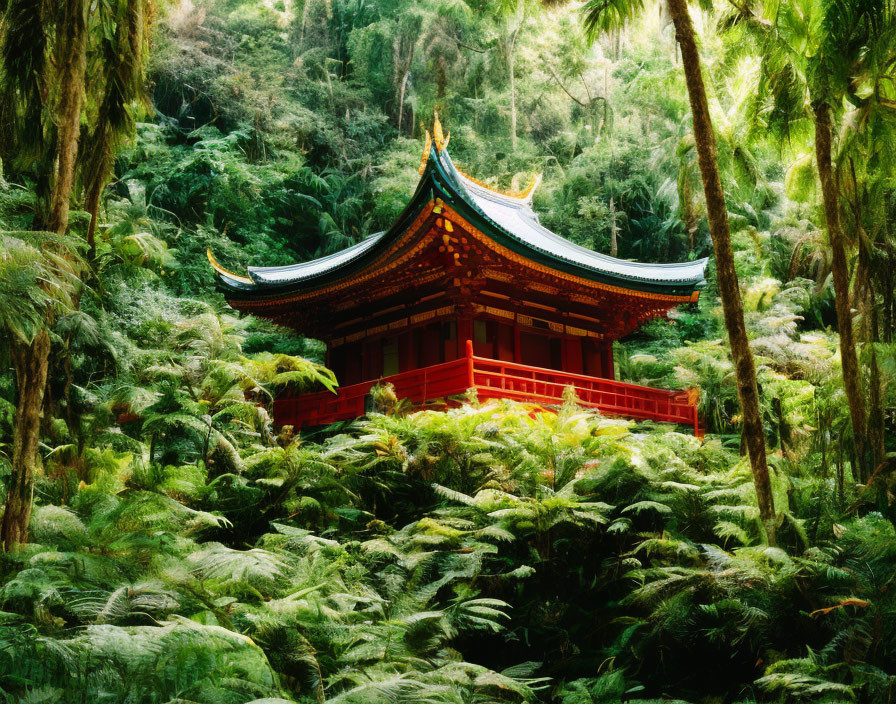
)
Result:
{"points": [[497, 275], [422, 317], [221, 270], [542, 288], [500, 313]]}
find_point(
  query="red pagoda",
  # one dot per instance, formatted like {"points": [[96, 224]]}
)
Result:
{"points": [[467, 290]]}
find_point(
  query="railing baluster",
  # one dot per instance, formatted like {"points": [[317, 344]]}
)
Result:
{"points": [[517, 380]]}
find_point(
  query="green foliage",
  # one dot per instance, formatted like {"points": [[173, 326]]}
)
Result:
{"points": [[38, 280]]}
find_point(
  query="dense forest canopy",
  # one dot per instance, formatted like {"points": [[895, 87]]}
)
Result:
{"points": [[164, 542]]}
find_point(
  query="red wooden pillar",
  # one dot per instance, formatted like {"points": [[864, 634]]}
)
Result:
{"points": [[593, 359], [471, 382], [407, 357], [431, 347], [373, 352], [572, 355], [448, 338], [362, 376], [504, 342], [608, 370], [517, 349]]}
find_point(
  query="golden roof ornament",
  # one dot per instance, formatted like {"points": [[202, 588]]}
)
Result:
{"points": [[438, 136], [224, 272], [426, 149]]}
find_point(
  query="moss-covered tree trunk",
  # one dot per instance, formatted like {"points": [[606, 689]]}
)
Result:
{"points": [[876, 423], [401, 94], [511, 69], [729, 288], [840, 274], [30, 362], [93, 207], [71, 58], [614, 230]]}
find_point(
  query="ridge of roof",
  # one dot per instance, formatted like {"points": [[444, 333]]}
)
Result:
{"points": [[511, 215], [692, 272]]}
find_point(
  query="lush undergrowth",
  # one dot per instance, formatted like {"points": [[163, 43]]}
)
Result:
{"points": [[484, 554]]}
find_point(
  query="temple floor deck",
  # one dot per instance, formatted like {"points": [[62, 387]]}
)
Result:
{"points": [[494, 379]]}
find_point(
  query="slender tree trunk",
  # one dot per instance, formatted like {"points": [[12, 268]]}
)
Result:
{"points": [[93, 207], [511, 58], [875, 397], [840, 477], [889, 299], [614, 230], [729, 288], [840, 273], [401, 92], [72, 63], [30, 362]]}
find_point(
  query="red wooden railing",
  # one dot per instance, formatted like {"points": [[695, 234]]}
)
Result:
{"points": [[494, 379]]}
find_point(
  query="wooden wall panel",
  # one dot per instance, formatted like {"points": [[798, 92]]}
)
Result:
{"points": [[572, 355], [449, 341], [430, 349], [373, 358], [592, 358], [608, 366], [535, 350], [504, 342], [407, 353]]}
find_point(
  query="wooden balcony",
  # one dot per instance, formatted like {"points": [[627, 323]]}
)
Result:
{"points": [[494, 379]]}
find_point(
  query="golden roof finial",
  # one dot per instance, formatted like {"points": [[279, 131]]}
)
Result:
{"points": [[437, 126], [426, 149], [437, 134]]}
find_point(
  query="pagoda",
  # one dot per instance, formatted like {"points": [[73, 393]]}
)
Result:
{"points": [[467, 290]]}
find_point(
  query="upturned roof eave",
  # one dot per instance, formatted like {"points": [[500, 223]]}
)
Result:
{"points": [[470, 210], [439, 179], [267, 289]]}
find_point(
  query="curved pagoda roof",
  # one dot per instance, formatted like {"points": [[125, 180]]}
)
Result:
{"points": [[505, 218]]}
